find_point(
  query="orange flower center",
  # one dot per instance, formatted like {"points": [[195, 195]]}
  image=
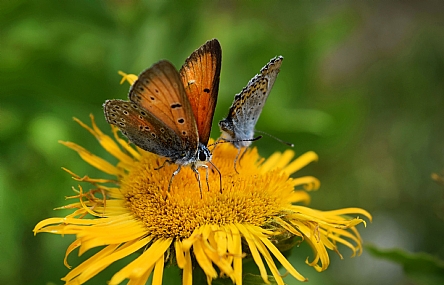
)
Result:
{"points": [[248, 197]]}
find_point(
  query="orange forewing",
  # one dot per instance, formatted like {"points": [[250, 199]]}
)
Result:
{"points": [[200, 77], [160, 91]]}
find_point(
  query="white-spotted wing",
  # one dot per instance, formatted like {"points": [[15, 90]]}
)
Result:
{"points": [[238, 126]]}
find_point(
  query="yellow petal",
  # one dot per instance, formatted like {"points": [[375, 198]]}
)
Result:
{"points": [[285, 263], [234, 246], [146, 261], [75, 244], [269, 260], [158, 271], [287, 226], [270, 163], [107, 143], [180, 255], [143, 278], [299, 197], [203, 260], [94, 160], [90, 261], [86, 178], [131, 78], [309, 182], [348, 211], [284, 159], [254, 251], [300, 162], [187, 275]]}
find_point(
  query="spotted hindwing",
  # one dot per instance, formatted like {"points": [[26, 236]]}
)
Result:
{"points": [[143, 129]]}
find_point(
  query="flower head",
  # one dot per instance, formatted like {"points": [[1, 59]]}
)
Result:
{"points": [[257, 210]]}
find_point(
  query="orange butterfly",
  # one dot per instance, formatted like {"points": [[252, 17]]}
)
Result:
{"points": [[170, 113]]}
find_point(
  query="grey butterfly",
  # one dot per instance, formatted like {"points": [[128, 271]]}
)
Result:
{"points": [[238, 126]]}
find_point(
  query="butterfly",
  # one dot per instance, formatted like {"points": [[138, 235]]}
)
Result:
{"points": [[238, 126], [170, 113]]}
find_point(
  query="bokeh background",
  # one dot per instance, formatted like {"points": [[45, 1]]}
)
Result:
{"points": [[362, 85]]}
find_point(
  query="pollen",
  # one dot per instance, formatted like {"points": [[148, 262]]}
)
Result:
{"points": [[248, 197]]}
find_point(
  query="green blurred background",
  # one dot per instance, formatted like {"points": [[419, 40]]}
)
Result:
{"points": [[362, 85]]}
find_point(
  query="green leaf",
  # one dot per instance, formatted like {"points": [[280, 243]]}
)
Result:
{"points": [[422, 268]]}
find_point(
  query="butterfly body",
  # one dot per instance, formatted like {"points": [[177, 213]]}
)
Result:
{"points": [[169, 113], [238, 126]]}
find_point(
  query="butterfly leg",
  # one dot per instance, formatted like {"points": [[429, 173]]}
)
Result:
{"points": [[206, 176], [238, 158], [220, 176], [242, 155], [194, 168], [163, 164], [172, 176]]}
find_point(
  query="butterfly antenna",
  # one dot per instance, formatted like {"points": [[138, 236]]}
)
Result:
{"points": [[221, 140], [220, 176], [273, 137]]}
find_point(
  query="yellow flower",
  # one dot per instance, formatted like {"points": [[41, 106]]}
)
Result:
{"points": [[257, 211]]}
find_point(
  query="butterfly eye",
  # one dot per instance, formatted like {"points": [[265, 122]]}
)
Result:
{"points": [[202, 156]]}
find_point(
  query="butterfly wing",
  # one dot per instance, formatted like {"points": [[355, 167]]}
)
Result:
{"points": [[143, 129], [159, 90], [248, 104], [200, 77]]}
